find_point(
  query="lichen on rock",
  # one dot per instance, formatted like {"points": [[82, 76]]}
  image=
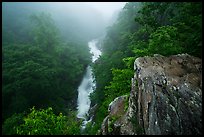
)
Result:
{"points": [[166, 97]]}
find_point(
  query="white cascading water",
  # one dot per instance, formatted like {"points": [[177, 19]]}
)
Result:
{"points": [[87, 86]]}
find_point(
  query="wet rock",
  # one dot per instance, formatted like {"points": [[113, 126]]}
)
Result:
{"points": [[92, 111]]}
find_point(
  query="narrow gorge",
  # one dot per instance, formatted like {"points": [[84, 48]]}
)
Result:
{"points": [[87, 86], [102, 68]]}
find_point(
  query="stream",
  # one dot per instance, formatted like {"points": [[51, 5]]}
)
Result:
{"points": [[86, 87]]}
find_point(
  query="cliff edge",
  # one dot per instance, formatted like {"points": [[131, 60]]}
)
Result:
{"points": [[166, 98]]}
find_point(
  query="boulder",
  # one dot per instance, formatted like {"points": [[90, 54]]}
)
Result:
{"points": [[169, 94], [165, 99], [112, 123]]}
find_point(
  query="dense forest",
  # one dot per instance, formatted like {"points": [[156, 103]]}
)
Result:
{"points": [[43, 62], [41, 65], [142, 29]]}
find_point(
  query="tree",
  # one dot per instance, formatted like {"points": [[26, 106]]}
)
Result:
{"points": [[121, 83], [46, 34], [165, 41], [41, 122], [143, 29], [45, 72], [9, 127]]}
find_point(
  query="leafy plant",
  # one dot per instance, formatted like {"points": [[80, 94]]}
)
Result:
{"points": [[165, 41], [43, 72], [45, 122], [10, 125], [112, 120]]}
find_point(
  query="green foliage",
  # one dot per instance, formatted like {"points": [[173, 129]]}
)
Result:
{"points": [[91, 129], [170, 27], [189, 24], [121, 83], [102, 68], [144, 29], [44, 31], [112, 120], [10, 125], [99, 116], [45, 122], [44, 72], [41, 122], [165, 41], [129, 62], [115, 47], [38, 69], [88, 129], [141, 52]]}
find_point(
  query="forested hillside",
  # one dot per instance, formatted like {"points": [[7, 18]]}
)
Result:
{"points": [[44, 57], [41, 66], [43, 71], [72, 23], [142, 28]]}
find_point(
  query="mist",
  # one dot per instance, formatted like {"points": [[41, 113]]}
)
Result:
{"points": [[76, 20], [72, 68], [47, 49]]}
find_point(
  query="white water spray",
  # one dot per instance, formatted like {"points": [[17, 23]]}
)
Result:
{"points": [[87, 86]]}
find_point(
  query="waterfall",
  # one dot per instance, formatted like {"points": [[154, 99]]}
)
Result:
{"points": [[87, 86]]}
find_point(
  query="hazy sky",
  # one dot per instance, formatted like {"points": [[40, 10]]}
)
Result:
{"points": [[84, 17], [105, 8]]}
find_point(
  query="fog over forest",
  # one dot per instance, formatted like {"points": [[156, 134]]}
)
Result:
{"points": [[85, 20], [46, 52], [101, 68]]}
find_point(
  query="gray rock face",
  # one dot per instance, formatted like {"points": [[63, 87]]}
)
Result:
{"points": [[112, 123], [166, 97], [117, 106]]}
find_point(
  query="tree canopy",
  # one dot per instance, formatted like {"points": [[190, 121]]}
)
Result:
{"points": [[44, 72], [143, 29]]}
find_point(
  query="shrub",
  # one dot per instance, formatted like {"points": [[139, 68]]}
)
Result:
{"points": [[45, 122]]}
